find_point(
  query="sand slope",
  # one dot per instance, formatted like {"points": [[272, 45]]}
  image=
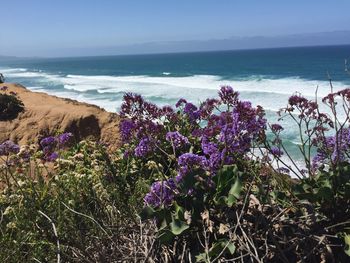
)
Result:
{"points": [[44, 115]]}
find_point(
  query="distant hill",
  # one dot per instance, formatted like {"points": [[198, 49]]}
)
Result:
{"points": [[7, 57], [232, 43]]}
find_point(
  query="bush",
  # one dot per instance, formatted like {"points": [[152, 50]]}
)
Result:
{"points": [[10, 107], [188, 184], [211, 189]]}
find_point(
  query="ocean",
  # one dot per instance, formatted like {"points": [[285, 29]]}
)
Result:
{"points": [[266, 77]]}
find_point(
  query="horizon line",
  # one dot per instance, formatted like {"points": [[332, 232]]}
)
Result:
{"points": [[177, 52]]}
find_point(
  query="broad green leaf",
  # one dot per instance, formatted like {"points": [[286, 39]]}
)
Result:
{"points": [[201, 258], [178, 226], [347, 244], [236, 188], [222, 245], [165, 236], [221, 200], [234, 192], [147, 213], [179, 211]]}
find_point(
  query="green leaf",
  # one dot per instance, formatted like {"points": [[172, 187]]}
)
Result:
{"points": [[165, 236], [324, 193], [147, 213], [179, 211], [234, 192], [222, 245], [221, 200], [347, 244], [177, 226], [201, 258]]}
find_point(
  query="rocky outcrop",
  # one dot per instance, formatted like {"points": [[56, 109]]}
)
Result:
{"points": [[46, 115]]}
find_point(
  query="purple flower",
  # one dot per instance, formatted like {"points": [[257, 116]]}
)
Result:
{"points": [[215, 155], [126, 129], [192, 112], [144, 147], [4, 88], [25, 155], [134, 106], [297, 100], [190, 159], [48, 142], [189, 162], [161, 193], [8, 147], [180, 102], [333, 149], [51, 157], [51, 143], [177, 139], [283, 170], [207, 107], [64, 138], [227, 95], [276, 151], [276, 128]]}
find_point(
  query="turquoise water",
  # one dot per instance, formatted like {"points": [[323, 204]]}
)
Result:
{"points": [[266, 77]]}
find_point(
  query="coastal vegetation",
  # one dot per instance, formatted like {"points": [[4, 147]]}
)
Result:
{"points": [[191, 183], [10, 105]]}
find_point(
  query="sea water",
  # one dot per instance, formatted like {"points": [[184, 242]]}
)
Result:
{"points": [[266, 77]]}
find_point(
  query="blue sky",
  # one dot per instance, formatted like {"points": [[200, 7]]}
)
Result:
{"points": [[49, 28]]}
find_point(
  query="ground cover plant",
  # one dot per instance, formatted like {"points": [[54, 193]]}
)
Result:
{"points": [[206, 183], [10, 105]]}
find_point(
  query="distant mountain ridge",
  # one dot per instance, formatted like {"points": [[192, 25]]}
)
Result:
{"points": [[7, 57], [231, 43]]}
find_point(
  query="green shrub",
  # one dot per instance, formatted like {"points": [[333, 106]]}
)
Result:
{"points": [[10, 107], [186, 184]]}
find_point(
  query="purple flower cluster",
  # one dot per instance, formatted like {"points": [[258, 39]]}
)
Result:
{"points": [[177, 139], [51, 144], [344, 94], [189, 162], [228, 96], [141, 124], [161, 193], [4, 88], [126, 129], [192, 112], [222, 137], [208, 106], [64, 138], [180, 103], [231, 133], [144, 147], [8, 147], [309, 110], [135, 107], [332, 149], [283, 170], [276, 128], [275, 151]]}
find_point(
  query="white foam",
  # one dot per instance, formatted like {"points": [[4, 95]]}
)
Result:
{"points": [[286, 86], [270, 93], [10, 70]]}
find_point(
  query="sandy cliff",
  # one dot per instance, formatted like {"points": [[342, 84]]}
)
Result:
{"points": [[44, 115]]}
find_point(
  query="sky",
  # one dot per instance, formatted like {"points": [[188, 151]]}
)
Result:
{"points": [[88, 27]]}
